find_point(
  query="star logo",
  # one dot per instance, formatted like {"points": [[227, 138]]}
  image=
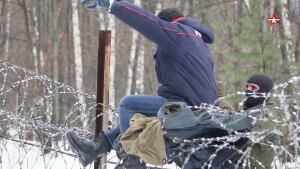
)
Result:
{"points": [[274, 20]]}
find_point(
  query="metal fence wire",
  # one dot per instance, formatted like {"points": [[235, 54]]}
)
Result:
{"points": [[36, 111]]}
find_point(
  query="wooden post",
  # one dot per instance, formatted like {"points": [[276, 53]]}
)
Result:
{"points": [[102, 88]]}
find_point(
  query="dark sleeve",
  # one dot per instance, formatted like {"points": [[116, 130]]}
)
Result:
{"points": [[165, 34]]}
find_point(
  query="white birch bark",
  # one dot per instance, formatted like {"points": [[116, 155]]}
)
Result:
{"points": [[247, 3], [78, 61], [159, 6], [35, 41], [131, 61], [111, 27], [55, 43], [7, 31], [132, 54], [140, 70], [286, 23], [102, 21]]}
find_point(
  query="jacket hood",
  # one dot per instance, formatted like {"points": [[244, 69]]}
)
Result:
{"points": [[206, 32]]}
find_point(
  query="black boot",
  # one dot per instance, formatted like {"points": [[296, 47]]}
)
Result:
{"points": [[128, 161], [88, 150], [133, 162]]}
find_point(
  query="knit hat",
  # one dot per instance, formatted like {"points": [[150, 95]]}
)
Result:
{"points": [[265, 86], [264, 82], [170, 14]]}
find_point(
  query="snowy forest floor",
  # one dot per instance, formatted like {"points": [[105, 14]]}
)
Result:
{"points": [[16, 156]]}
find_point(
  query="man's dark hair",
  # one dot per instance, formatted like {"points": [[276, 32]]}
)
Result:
{"points": [[170, 14]]}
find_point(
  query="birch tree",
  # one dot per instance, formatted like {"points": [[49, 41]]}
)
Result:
{"points": [[78, 60], [31, 31], [150, 82], [297, 48], [288, 56], [140, 70], [135, 66], [247, 3], [101, 21], [2, 33], [289, 48], [132, 56], [7, 31], [112, 22], [35, 38], [55, 68], [131, 61]]}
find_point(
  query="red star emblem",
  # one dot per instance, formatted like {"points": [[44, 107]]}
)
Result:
{"points": [[274, 20]]}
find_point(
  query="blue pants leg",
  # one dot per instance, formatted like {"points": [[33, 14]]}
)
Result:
{"points": [[146, 105]]}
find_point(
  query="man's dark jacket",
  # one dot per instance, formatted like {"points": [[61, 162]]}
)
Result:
{"points": [[183, 62]]}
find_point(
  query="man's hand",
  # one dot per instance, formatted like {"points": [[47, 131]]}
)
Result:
{"points": [[94, 4]]}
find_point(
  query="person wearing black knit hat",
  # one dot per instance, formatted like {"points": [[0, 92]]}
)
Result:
{"points": [[258, 87]]}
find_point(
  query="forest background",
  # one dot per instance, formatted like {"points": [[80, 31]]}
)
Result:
{"points": [[59, 39]]}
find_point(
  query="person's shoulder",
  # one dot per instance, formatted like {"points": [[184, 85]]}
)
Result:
{"points": [[224, 104]]}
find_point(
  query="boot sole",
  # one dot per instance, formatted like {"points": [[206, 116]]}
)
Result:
{"points": [[75, 149]]}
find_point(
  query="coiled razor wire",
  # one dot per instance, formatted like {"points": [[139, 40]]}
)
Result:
{"points": [[36, 111]]}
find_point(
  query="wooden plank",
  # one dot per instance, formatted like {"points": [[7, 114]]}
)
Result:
{"points": [[103, 88]]}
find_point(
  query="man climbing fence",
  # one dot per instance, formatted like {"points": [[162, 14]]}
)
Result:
{"points": [[183, 65]]}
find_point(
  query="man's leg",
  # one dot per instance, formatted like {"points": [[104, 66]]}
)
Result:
{"points": [[88, 151], [147, 105]]}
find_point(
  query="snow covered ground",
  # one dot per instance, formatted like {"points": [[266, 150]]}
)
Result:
{"points": [[15, 156]]}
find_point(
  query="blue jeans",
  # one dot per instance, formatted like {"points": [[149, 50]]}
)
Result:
{"points": [[146, 105]]}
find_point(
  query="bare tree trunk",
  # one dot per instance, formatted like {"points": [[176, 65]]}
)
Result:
{"points": [[78, 61], [182, 5], [3, 18], [69, 45], [191, 8], [35, 37], [112, 22], [150, 82], [30, 36], [2, 12], [247, 3], [272, 6], [140, 68], [7, 31], [132, 56], [102, 20], [297, 48], [135, 66], [263, 28], [158, 7], [131, 61], [55, 45], [286, 23], [40, 54]]}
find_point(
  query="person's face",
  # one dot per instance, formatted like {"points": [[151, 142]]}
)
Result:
{"points": [[252, 87]]}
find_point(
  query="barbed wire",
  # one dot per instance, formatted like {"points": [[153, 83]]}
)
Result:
{"points": [[29, 117]]}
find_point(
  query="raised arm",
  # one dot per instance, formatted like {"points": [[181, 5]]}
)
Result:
{"points": [[165, 34]]}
